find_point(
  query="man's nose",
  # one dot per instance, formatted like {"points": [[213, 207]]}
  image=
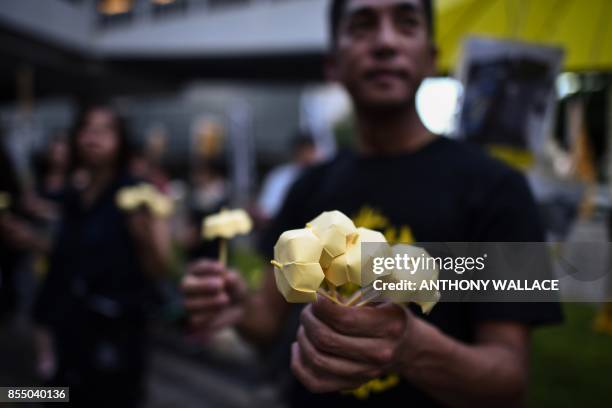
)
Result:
{"points": [[386, 41]]}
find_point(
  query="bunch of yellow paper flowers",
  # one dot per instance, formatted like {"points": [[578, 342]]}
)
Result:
{"points": [[326, 255]]}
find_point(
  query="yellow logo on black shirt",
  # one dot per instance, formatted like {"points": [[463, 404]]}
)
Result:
{"points": [[371, 218], [368, 217], [375, 386]]}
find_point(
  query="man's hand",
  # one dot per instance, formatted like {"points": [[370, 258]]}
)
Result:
{"points": [[214, 296], [152, 238], [140, 224], [340, 348]]}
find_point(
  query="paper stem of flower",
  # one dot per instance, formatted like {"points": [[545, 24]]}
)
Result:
{"points": [[359, 295], [367, 299], [326, 295], [223, 251], [333, 290], [356, 296]]}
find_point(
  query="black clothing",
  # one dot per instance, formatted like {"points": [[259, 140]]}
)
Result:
{"points": [[94, 301], [446, 192], [9, 257]]}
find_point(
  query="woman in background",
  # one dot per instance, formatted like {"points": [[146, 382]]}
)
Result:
{"points": [[102, 271], [9, 253]]}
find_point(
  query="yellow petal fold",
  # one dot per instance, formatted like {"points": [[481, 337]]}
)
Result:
{"points": [[290, 294], [303, 276], [337, 272], [335, 230], [360, 257], [226, 224], [298, 246]]}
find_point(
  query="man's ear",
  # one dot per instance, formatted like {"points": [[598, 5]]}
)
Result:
{"points": [[330, 67]]}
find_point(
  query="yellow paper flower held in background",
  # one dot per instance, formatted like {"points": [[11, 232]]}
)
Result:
{"points": [[225, 225], [144, 195]]}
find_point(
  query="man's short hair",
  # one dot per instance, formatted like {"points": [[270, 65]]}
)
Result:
{"points": [[337, 9]]}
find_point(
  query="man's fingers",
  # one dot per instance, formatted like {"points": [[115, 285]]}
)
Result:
{"points": [[324, 338], [229, 317], [214, 321], [212, 295], [201, 320], [385, 320], [316, 383], [206, 303], [235, 285], [196, 285], [207, 267], [321, 363]]}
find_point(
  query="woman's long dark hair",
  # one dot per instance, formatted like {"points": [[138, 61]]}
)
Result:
{"points": [[9, 182], [125, 145]]}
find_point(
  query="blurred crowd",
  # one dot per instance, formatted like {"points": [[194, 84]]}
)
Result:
{"points": [[87, 274]]}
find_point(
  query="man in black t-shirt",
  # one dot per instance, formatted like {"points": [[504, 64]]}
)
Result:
{"points": [[412, 186]]}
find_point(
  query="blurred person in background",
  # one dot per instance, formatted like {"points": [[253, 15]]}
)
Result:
{"points": [[209, 194], [440, 190], [18, 237], [52, 168], [9, 187], [147, 163], [103, 269], [279, 180]]}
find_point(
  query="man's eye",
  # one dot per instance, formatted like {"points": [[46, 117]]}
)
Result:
{"points": [[407, 22], [359, 25]]}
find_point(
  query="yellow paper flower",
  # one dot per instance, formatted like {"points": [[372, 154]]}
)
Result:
{"points": [[144, 195], [226, 224], [331, 248], [297, 270], [425, 299], [5, 201], [357, 260], [336, 232]]}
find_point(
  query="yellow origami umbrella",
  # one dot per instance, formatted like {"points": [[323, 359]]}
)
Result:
{"points": [[297, 270], [581, 28], [225, 225], [5, 201], [144, 195]]}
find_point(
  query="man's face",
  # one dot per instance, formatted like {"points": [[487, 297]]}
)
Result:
{"points": [[383, 52]]}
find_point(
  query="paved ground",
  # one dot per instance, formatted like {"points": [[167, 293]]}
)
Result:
{"points": [[181, 375]]}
